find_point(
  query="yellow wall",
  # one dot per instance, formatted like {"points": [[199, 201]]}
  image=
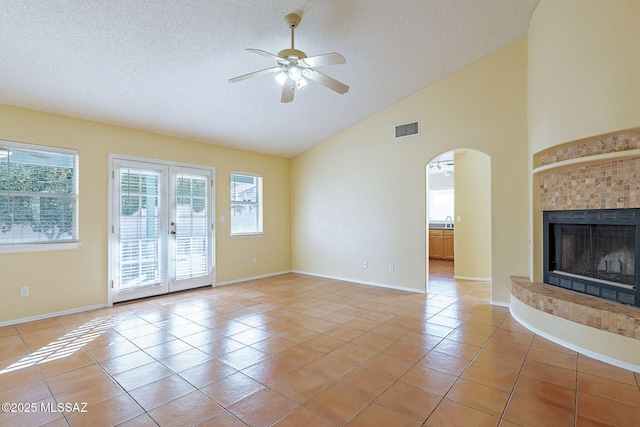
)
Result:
{"points": [[473, 208], [73, 279], [584, 63], [583, 80], [360, 196]]}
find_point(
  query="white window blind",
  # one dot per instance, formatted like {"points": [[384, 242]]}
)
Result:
{"points": [[139, 225], [192, 229], [38, 194], [246, 204]]}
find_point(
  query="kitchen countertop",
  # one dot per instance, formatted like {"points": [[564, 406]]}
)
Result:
{"points": [[440, 227]]}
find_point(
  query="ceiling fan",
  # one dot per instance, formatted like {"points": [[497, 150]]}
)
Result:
{"points": [[294, 67]]}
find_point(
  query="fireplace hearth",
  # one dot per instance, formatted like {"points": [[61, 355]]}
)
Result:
{"points": [[594, 252]]}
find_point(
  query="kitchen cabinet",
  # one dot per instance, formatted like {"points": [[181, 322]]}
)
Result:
{"points": [[441, 243], [436, 243], [448, 244]]}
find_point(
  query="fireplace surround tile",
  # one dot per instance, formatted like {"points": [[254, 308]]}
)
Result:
{"points": [[610, 184], [580, 308], [609, 144]]}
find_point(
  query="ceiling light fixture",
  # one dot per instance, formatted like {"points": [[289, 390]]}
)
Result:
{"points": [[294, 73], [294, 67]]}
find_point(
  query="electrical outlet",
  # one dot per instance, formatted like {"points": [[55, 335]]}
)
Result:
{"points": [[24, 291], [255, 260], [365, 264], [392, 267]]}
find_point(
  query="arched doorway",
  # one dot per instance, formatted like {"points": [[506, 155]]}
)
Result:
{"points": [[458, 213]]}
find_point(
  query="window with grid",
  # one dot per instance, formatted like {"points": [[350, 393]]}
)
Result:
{"points": [[246, 204], [38, 195]]}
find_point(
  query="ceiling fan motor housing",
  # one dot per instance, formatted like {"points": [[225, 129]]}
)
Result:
{"points": [[289, 53]]}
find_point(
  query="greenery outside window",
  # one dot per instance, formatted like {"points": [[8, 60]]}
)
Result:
{"points": [[38, 195], [246, 204]]}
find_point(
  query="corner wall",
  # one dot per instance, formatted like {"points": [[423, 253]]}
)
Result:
{"points": [[473, 206], [583, 83], [584, 64], [361, 195], [73, 279]]}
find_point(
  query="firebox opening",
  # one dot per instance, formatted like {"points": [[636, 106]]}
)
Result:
{"points": [[594, 252], [604, 252]]}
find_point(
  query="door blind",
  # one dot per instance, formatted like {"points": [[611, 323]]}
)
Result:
{"points": [[191, 227], [139, 223]]}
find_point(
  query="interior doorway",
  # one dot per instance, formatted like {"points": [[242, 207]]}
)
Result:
{"points": [[458, 214]]}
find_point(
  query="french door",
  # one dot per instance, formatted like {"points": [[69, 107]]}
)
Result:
{"points": [[162, 228]]}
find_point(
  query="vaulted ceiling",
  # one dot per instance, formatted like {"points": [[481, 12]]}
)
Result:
{"points": [[163, 65]]}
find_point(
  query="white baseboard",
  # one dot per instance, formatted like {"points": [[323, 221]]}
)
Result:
{"points": [[229, 282], [50, 315], [262, 276], [362, 282], [477, 279], [500, 303], [586, 352]]}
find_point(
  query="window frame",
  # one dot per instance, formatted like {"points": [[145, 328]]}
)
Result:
{"points": [[72, 243], [259, 205]]}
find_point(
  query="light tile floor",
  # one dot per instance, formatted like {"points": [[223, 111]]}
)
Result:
{"points": [[297, 350]]}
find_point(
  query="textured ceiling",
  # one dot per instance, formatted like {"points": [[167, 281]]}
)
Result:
{"points": [[163, 65]]}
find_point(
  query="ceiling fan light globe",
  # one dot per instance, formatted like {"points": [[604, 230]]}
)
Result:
{"points": [[281, 78], [294, 73]]}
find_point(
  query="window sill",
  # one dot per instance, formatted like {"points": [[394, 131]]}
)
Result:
{"points": [[242, 236], [39, 247]]}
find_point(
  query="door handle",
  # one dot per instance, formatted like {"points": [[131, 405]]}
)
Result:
{"points": [[172, 232]]}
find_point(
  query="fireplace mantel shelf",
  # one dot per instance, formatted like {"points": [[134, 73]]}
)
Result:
{"points": [[625, 154], [580, 308]]}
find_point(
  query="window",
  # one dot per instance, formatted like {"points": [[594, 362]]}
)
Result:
{"points": [[440, 204], [38, 195], [246, 204]]}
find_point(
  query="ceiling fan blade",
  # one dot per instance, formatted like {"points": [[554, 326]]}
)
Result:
{"points": [[267, 54], [255, 73], [288, 90], [332, 58], [327, 81]]}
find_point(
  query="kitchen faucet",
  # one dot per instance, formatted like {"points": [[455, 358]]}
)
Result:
{"points": [[449, 222]]}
